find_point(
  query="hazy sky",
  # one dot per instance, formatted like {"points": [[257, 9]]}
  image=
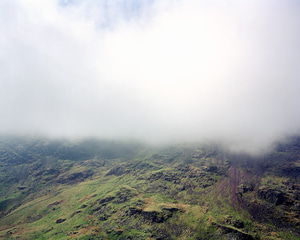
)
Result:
{"points": [[159, 70]]}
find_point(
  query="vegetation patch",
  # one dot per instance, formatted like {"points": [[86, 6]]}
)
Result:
{"points": [[92, 189]]}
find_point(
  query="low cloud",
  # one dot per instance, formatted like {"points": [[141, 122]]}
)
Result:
{"points": [[225, 71]]}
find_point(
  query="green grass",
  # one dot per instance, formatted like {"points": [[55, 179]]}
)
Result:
{"points": [[197, 209]]}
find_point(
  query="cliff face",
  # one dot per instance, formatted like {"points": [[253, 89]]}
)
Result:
{"points": [[92, 189]]}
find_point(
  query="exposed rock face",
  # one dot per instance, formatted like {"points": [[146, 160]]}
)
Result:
{"points": [[75, 177], [103, 217], [60, 220], [211, 168], [74, 213], [229, 220], [152, 216], [166, 193], [292, 171], [244, 188], [117, 171], [233, 234], [107, 199], [274, 196], [165, 176], [54, 204], [160, 234], [124, 194]]}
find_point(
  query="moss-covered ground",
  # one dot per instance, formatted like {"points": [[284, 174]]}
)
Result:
{"points": [[92, 189]]}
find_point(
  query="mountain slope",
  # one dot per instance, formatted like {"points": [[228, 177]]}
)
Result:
{"points": [[93, 189]]}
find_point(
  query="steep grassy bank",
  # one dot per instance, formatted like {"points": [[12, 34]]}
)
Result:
{"points": [[92, 189]]}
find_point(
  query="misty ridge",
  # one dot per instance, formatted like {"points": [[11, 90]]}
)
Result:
{"points": [[222, 72]]}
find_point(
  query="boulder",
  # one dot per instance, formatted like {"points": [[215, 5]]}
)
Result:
{"points": [[60, 220], [274, 196]]}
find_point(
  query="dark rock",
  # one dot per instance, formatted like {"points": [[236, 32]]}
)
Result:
{"points": [[75, 177], [95, 209], [124, 195], [117, 171], [103, 218], [296, 206], [244, 188], [54, 203], [47, 230], [233, 233], [172, 209], [274, 196], [291, 171], [133, 211], [211, 168], [118, 232], [107, 199], [74, 213], [156, 176], [153, 216], [229, 220], [60, 220], [160, 234], [84, 206], [185, 168], [180, 188], [121, 198], [140, 203], [78, 226], [205, 185], [238, 224]]}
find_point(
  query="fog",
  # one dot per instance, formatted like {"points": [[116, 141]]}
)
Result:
{"points": [[224, 71]]}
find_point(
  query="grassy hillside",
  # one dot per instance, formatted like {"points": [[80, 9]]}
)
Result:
{"points": [[92, 189]]}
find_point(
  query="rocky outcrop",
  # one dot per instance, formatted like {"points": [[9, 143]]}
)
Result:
{"points": [[230, 220], [232, 233], [117, 171], [211, 168], [75, 177], [54, 204], [60, 220], [245, 188], [74, 213], [274, 196], [106, 199], [154, 216], [291, 171], [166, 176], [124, 194]]}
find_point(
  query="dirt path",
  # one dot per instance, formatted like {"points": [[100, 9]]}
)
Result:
{"points": [[234, 180], [228, 186]]}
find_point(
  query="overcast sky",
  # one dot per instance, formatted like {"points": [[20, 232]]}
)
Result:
{"points": [[158, 70]]}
